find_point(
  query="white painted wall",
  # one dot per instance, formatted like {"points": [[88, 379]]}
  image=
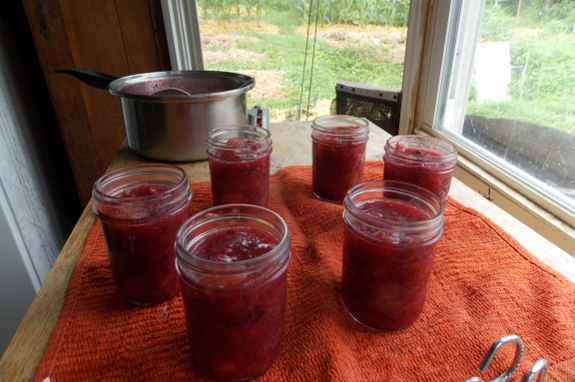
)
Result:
{"points": [[18, 281], [33, 222]]}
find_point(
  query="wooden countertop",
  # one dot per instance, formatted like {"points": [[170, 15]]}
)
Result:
{"points": [[291, 146]]}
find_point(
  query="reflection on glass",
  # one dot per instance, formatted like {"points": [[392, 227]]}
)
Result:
{"points": [[521, 99]]}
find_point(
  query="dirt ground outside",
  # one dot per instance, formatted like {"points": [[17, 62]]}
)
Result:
{"points": [[220, 42]]}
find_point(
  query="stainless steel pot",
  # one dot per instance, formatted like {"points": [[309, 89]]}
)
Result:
{"points": [[168, 114]]}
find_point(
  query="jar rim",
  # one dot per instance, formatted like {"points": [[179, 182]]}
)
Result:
{"points": [[135, 170], [224, 212], [138, 209], [252, 133], [446, 150], [381, 186], [341, 125]]}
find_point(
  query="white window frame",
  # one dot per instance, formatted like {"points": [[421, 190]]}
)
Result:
{"points": [[183, 34], [427, 36], [422, 102]]}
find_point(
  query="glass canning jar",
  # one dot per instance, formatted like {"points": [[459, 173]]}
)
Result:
{"points": [[232, 261], [239, 159], [391, 230], [425, 161], [140, 208], [338, 155]]}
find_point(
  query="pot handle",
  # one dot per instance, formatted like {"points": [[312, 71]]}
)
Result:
{"points": [[90, 77], [258, 116]]}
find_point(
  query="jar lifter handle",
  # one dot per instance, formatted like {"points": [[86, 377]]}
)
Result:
{"points": [[539, 367], [512, 338]]}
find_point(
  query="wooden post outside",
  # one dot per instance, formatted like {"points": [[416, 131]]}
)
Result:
{"points": [[519, 7]]}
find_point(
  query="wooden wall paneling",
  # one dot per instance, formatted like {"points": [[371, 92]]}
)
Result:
{"points": [[117, 37], [66, 94], [160, 35], [96, 42], [140, 29]]}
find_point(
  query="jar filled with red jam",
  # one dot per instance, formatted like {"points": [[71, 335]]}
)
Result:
{"points": [[239, 159], [391, 233], [140, 208], [232, 261], [428, 162], [338, 154]]}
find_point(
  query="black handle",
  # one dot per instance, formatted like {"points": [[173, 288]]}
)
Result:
{"points": [[90, 77]]}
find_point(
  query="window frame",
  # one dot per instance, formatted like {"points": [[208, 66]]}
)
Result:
{"points": [[183, 34], [424, 81]]}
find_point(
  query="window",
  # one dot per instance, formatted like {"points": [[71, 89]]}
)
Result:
{"points": [[497, 79], [299, 50], [476, 94]]}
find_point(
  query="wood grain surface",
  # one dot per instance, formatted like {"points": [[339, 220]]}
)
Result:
{"points": [[24, 352], [116, 38]]}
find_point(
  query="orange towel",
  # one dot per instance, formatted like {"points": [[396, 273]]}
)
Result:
{"points": [[484, 286]]}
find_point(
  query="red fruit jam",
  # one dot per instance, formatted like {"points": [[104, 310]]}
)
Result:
{"points": [[239, 166], [338, 156], [142, 190], [236, 244], [140, 224], [386, 272], [423, 161], [235, 311]]}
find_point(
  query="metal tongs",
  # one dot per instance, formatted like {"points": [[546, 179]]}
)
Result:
{"points": [[538, 368]]}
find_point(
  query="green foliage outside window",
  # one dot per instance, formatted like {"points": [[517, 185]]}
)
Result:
{"points": [[542, 49], [541, 36]]}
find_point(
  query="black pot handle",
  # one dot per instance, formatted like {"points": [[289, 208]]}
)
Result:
{"points": [[90, 77]]}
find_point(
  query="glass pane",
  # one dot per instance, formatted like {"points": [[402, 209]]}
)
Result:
{"points": [[520, 104], [298, 53]]}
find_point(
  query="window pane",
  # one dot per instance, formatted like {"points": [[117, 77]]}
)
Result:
{"points": [[298, 53], [519, 100]]}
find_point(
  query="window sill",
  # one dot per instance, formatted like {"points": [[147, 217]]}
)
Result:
{"points": [[532, 215], [512, 201]]}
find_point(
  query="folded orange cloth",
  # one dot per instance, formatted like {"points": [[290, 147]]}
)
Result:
{"points": [[484, 286]]}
